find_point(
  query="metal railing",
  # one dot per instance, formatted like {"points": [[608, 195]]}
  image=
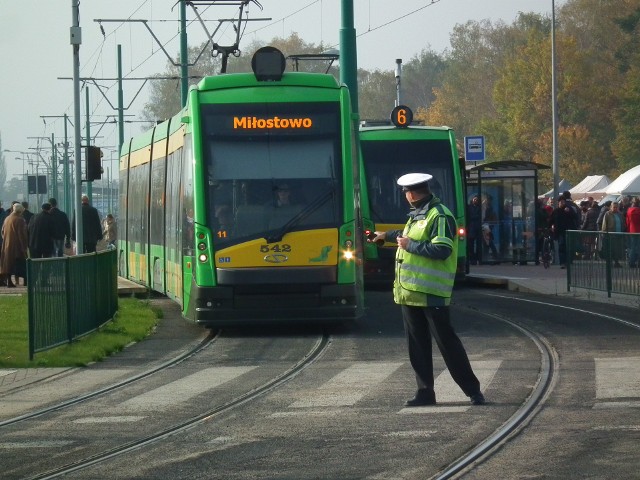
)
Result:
{"points": [[603, 261], [70, 297]]}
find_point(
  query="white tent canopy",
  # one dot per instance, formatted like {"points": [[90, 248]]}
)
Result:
{"points": [[626, 184], [590, 184]]}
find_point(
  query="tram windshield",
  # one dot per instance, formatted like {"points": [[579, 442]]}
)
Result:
{"points": [[386, 161], [265, 184]]}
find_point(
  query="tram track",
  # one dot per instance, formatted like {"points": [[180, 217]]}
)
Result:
{"points": [[210, 338], [313, 354], [494, 436], [549, 370], [531, 406]]}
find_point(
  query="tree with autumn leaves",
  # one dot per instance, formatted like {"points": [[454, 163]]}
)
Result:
{"points": [[598, 82], [495, 81]]}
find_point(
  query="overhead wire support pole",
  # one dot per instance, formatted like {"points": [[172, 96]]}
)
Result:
{"points": [[184, 54], [76, 41], [88, 137], [65, 175], [120, 102]]}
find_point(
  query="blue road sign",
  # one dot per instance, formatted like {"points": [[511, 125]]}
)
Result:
{"points": [[474, 148]]}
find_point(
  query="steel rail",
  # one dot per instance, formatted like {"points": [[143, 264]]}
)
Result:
{"points": [[545, 383], [83, 398], [316, 351]]}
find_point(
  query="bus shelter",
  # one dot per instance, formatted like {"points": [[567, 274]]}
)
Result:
{"points": [[508, 224]]}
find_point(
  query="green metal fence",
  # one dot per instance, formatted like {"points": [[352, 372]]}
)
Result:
{"points": [[70, 297], [603, 261]]}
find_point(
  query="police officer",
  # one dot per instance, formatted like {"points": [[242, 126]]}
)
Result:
{"points": [[426, 262]]}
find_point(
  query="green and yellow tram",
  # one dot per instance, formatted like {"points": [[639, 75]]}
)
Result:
{"points": [[244, 207], [389, 150]]}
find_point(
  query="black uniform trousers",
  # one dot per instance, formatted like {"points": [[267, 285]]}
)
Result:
{"points": [[420, 323]]}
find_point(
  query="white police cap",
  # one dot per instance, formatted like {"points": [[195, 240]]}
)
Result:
{"points": [[411, 181]]}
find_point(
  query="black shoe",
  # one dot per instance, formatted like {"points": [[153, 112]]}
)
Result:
{"points": [[478, 399], [421, 399]]}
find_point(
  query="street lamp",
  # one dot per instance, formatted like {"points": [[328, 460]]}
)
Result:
{"points": [[554, 107]]}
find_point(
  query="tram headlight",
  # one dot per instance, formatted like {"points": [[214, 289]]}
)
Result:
{"points": [[203, 257], [348, 254]]}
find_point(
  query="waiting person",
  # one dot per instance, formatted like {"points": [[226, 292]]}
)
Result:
{"points": [[576, 217], [606, 206], [27, 215], [562, 219], [590, 224], [41, 232], [91, 227], [633, 227], [62, 229], [110, 231], [14, 244], [613, 244], [542, 224], [427, 257], [488, 243], [489, 219], [474, 230]]}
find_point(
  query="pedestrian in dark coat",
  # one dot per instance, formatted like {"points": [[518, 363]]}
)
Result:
{"points": [[590, 223], [474, 230], [62, 230], [27, 215], [562, 219], [91, 227], [41, 231]]}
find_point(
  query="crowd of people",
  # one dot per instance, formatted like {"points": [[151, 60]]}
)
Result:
{"points": [[610, 217], [621, 216], [45, 234]]}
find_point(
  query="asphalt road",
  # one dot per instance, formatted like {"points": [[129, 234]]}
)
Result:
{"points": [[342, 414]]}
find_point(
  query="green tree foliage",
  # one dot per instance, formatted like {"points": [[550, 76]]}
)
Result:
{"points": [[626, 145], [376, 94], [164, 97], [378, 90], [495, 80]]}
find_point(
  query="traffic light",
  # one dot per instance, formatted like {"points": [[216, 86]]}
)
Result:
{"points": [[94, 163]]}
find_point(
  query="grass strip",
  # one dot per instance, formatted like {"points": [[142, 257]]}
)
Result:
{"points": [[134, 321]]}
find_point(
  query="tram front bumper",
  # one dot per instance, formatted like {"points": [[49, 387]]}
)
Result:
{"points": [[225, 305]]}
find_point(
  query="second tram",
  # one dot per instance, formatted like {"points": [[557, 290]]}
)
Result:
{"points": [[391, 149]]}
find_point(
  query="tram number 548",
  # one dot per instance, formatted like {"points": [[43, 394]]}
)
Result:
{"points": [[284, 247]]}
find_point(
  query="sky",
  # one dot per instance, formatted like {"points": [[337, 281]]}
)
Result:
{"points": [[36, 55]]}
